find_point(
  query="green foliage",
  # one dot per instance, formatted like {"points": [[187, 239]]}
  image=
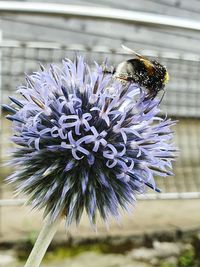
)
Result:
{"points": [[64, 252], [187, 259]]}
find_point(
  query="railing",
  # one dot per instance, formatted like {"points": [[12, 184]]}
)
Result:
{"points": [[96, 12]]}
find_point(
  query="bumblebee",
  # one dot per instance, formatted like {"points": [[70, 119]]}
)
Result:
{"points": [[149, 74]]}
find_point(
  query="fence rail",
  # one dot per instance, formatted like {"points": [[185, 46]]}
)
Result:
{"points": [[151, 196]]}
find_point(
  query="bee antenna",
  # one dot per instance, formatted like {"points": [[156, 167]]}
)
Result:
{"points": [[130, 51]]}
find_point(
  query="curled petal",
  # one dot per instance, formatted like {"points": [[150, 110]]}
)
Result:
{"points": [[111, 163], [74, 154]]}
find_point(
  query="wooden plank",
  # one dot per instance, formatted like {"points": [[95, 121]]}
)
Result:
{"points": [[96, 32], [181, 8]]}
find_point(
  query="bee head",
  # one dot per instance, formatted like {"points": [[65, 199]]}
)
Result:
{"points": [[160, 72]]}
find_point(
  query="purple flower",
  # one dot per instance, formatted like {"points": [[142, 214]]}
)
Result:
{"points": [[86, 141]]}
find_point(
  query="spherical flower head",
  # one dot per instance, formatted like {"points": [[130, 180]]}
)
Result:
{"points": [[86, 141]]}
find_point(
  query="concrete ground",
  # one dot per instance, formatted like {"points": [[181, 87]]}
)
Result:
{"points": [[20, 223]]}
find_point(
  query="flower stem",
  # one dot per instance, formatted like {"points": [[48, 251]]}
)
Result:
{"points": [[45, 237]]}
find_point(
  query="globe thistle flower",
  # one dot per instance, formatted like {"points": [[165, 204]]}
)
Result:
{"points": [[86, 141]]}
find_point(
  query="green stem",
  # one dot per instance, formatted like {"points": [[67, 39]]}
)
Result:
{"points": [[45, 237]]}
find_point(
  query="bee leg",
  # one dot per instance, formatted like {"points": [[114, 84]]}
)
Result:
{"points": [[150, 96], [162, 97]]}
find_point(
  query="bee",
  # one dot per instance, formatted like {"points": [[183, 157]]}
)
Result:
{"points": [[149, 74]]}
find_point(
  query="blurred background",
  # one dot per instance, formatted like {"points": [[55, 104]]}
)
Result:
{"points": [[165, 228]]}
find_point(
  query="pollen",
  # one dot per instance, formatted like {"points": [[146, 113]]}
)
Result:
{"points": [[166, 78]]}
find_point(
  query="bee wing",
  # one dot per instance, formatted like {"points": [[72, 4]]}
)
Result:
{"points": [[130, 51], [149, 65]]}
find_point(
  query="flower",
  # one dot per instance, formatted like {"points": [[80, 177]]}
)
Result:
{"points": [[86, 141]]}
